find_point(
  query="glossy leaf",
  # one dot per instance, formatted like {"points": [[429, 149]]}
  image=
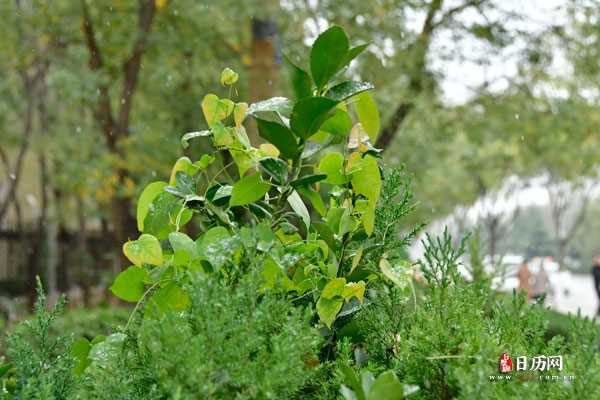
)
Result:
{"points": [[80, 349], [280, 136], [162, 215], [308, 180], [247, 190], [299, 208], [191, 135], [345, 90], [328, 54], [130, 284], [301, 82], [354, 52], [146, 198], [183, 164], [309, 114], [368, 115], [280, 105], [275, 168], [145, 250], [314, 197]]}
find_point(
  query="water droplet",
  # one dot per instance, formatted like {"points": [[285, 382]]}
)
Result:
{"points": [[517, 116], [78, 129], [12, 176]]}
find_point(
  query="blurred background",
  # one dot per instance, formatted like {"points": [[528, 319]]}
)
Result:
{"points": [[492, 105]]}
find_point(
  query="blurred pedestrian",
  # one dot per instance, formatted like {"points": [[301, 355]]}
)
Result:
{"points": [[596, 275], [541, 282], [524, 276]]}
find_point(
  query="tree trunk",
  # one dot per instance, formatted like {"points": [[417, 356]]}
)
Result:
{"points": [[265, 69]]}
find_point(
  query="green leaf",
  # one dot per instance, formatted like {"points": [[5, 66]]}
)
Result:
{"points": [[228, 77], [275, 168], [129, 284], [146, 198], [351, 378], [162, 215], [307, 180], [314, 197], [345, 90], [80, 350], [332, 165], [354, 52], [191, 135], [145, 250], [325, 233], [309, 114], [181, 241], [328, 54], [299, 208], [222, 136], [366, 109], [248, 190], [386, 387], [334, 287], [185, 187], [205, 161], [338, 124], [328, 309], [301, 82], [168, 298], [184, 164], [280, 136], [366, 179]]}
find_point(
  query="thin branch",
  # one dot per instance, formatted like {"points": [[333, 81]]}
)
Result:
{"points": [[131, 67], [103, 112]]}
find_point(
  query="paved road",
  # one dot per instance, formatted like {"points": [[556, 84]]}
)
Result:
{"points": [[581, 295]]}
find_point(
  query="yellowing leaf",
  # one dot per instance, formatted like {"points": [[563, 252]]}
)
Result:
{"points": [[354, 289], [239, 113], [366, 109], [228, 77], [145, 250], [334, 287], [267, 149], [215, 109], [184, 164], [327, 309]]}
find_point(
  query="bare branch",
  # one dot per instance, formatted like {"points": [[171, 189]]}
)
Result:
{"points": [[131, 67]]}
